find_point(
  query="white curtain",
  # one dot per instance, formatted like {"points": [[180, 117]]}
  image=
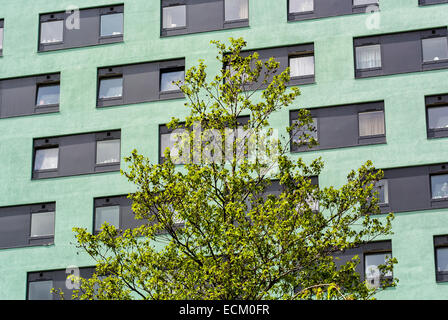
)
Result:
{"points": [[368, 57], [371, 123], [244, 9], [301, 66], [301, 5]]}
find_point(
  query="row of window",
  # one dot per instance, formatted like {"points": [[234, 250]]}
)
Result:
{"points": [[93, 26], [116, 86], [32, 225], [362, 124], [151, 81], [371, 255]]}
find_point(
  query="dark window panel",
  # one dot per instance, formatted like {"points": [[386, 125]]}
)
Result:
{"points": [[370, 254], [437, 116], [29, 95], [341, 126], [403, 52], [312, 9], [40, 283], [96, 26], [169, 138], [1, 36], [76, 154], [117, 211], [193, 16], [429, 2], [299, 58], [441, 257], [415, 188], [136, 83], [27, 225]]}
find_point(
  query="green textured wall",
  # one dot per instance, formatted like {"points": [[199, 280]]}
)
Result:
{"points": [[335, 84]]}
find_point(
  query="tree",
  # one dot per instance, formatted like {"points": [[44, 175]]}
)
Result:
{"points": [[213, 229]]}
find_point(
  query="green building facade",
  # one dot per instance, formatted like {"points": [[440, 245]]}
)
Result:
{"points": [[335, 84]]}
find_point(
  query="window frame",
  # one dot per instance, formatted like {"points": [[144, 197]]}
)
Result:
{"points": [[377, 252], [302, 55], [112, 36], [230, 23], [2, 36], [96, 38], [44, 208], [440, 242], [435, 101], [423, 2], [111, 73], [179, 4], [82, 142], [46, 147], [169, 70], [53, 18], [366, 139], [368, 70], [107, 136], [112, 204], [432, 62], [353, 110]]}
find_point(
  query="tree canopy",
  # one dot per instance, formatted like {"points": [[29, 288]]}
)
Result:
{"points": [[240, 218]]}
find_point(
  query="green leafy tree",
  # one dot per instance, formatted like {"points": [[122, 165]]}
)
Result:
{"points": [[213, 229]]}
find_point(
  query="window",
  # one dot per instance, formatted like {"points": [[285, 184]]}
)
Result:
{"points": [[398, 53], [236, 10], [297, 6], [27, 225], [40, 290], [76, 154], [42, 224], [371, 123], [52, 32], [298, 58], [441, 257], [368, 57], [442, 260], [168, 79], [1, 37], [439, 186], [438, 117], [435, 49], [111, 88], [342, 126], [29, 95], [46, 159], [116, 211], [141, 82], [47, 95], [108, 151], [112, 25], [173, 140], [382, 190], [174, 17], [303, 135], [429, 2], [301, 66], [364, 2], [109, 214], [193, 16], [40, 283], [373, 274], [83, 28]]}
